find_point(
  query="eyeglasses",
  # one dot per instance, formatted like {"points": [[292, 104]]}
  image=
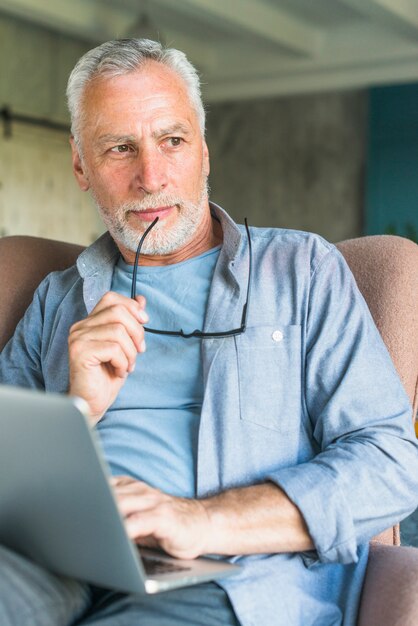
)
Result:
{"points": [[198, 333]]}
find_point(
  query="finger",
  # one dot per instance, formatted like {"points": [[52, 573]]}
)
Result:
{"points": [[135, 307], [146, 524], [88, 356], [137, 489], [112, 299], [124, 483], [120, 480], [86, 340], [131, 504], [96, 354], [127, 482], [141, 301], [116, 314], [147, 542], [117, 361]]}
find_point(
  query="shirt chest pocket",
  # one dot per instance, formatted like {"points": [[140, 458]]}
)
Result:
{"points": [[270, 375]]}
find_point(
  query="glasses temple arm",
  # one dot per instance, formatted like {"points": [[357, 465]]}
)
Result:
{"points": [[250, 258], [138, 251]]}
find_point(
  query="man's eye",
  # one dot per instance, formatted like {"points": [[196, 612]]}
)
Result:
{"points": [[121, 149], [175, 141]]}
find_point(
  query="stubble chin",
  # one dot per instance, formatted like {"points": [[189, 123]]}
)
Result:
{"points": [[163, 239]]}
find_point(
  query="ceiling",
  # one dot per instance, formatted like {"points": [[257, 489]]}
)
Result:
{"points": [[253, 48]]}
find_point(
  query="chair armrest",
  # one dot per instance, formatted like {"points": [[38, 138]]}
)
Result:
{"points": [[390, 590]]}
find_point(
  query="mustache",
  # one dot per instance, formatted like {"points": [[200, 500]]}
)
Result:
{"points": [[151, 202]]}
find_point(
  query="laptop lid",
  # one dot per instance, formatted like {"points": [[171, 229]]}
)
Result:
{"points": [[56, 505]]}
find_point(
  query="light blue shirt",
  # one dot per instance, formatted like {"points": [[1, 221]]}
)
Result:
{"points": [[151, 430], [307, 397]]}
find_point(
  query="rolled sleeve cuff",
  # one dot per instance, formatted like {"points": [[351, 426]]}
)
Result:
{"points": [[324, 508]]}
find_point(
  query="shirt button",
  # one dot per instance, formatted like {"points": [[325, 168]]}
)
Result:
{"points": [[277, 335]]}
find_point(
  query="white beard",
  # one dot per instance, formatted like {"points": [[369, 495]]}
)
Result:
{"points": [[161, 239]]}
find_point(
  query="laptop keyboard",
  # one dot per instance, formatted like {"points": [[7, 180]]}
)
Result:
{"points": [[157, 566]]}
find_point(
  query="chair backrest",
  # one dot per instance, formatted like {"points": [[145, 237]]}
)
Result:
{"points": [[386, 270], [24, 262]]}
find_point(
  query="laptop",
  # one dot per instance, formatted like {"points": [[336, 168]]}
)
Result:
{"points": [[58, 509]]}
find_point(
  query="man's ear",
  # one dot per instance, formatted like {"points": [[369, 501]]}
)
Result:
{"points": [[78, 167], [206, 160]]}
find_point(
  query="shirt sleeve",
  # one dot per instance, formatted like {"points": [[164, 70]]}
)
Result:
{"points": [[20, 359], [364, 478]]}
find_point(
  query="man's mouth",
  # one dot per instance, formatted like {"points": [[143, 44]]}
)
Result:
{"points": [[149, 215]]}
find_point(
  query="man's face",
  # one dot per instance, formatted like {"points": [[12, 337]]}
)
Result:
{"points": [[143, 156]]}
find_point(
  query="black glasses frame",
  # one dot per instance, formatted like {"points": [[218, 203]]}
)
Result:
{"points": [[198, 333]]}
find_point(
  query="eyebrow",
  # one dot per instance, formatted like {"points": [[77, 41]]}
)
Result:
{"points": [[162, 132], [172, 130], [103, 139]]}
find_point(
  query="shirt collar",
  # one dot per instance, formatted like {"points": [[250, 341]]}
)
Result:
{"points": [[104, 252], [231, 233]]}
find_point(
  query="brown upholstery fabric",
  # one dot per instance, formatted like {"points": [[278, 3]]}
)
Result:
{"points": [[386, 270], [24, 262], [390, 591]]}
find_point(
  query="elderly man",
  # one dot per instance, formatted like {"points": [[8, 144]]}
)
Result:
{"points": [[277, 434]]}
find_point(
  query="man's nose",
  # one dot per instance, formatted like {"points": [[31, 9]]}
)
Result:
{"points": [[151, 172]]}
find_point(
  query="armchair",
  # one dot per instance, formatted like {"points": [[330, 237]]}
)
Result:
{"points": [[386, 270], [24, 262]]}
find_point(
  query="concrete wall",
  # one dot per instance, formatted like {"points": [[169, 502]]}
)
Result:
{"points": [[38, 192], [34, 67], [296, 162]]}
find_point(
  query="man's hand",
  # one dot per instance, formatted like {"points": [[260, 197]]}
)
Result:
{"points": [[248, 520], [177, 525], [103, 350]]}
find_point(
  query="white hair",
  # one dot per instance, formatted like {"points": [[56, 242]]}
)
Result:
{"points": [[120, 57]]}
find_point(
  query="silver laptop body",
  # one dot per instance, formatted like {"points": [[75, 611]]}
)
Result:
{"points": [[58, 509]]}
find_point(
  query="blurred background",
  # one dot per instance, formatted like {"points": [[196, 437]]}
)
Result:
{"points": [[312, 108], [312, 111]]}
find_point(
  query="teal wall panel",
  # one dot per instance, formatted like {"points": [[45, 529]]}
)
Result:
{"points": [[392, 174]]}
